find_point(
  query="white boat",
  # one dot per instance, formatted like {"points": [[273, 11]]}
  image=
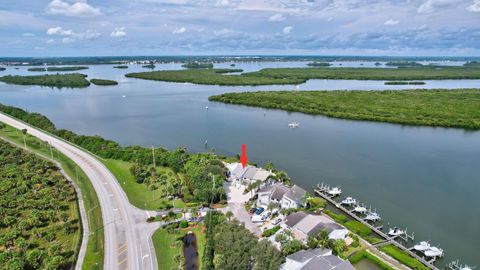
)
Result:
{"points": [[422, 246], [206, 107], [293, 125], [348, 201], [466, 267], [395, 232], [124, 96], [434, 252], [372, 216], [334, 191], [360, 209]]}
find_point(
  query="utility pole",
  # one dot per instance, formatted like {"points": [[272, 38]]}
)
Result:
{"points": [[153, 157]]}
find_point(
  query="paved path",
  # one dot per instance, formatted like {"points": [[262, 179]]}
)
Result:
{"points": [[128, 237]]}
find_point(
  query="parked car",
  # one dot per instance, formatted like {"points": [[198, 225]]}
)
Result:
{"points": [[266, 215], [276, 221], [253, 210], [259, 210]]}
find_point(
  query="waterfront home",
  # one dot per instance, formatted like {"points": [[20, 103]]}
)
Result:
{"points": [[281, 195], [248, 175], [315, 259], [271, 194], [294, 198], [304, 225]]}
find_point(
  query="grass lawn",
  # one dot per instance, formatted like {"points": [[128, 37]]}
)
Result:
{"points": [[94, 254], [166, 249], [138, 193], [435, 107], [365, 255], [403, 257]]}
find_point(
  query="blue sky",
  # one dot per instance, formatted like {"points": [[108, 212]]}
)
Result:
{"points": [[187, 27]]}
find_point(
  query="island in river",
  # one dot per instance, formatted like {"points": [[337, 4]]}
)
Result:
{"points": [[439, 107]]}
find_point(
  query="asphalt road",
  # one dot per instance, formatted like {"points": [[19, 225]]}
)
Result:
{"points": [[128, 243]]}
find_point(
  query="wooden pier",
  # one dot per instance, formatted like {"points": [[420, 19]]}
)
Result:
{"points": [[387, 239]]}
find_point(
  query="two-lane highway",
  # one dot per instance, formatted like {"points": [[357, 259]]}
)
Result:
{"points": [[128, 243]]}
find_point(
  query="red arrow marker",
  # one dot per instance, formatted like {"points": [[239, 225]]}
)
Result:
{"points": [[243, 157]]}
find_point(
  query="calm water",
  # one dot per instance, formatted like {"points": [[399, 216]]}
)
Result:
{"points": [[426, 179]]}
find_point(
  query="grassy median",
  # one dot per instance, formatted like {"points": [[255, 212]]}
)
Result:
{"points": [[436, 107]]}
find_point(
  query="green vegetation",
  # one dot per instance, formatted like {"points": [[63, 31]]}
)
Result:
{"points": [[404, 64], [149, 66], [58, 80], [365, 255], [472, 64], [40, 226], [230, 246], [404, 83], [436, 107], [358, 228], [194, 65], [121, 67], [94, 254], [210, 76], [103, 82], [168, 243], [150, 195], [271, 231], [318, 64], [271, 76], [194, 172], [403, 257], [58, 68]]}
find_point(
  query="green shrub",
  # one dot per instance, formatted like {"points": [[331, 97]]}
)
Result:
{"points": [[403, 257], [358, 228], [337, 217], [183, 224], [270, 231]]}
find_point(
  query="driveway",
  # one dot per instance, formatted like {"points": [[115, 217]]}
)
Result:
{"points": [[236, 204]]}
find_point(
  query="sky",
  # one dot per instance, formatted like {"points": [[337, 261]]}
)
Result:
{"points": [[236, 27]]}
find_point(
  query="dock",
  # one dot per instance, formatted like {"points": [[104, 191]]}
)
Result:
{"points": [[321, 192]]}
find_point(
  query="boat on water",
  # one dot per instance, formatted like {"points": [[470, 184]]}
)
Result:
{"points": [[360, 209], [434, 252], [336, 191], [372, 216], [348, 201], [293, 125], [206, 107], [395, 232], [422, 246]]}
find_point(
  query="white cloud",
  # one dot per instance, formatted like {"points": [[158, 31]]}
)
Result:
{"points": [[68, 40], [50, 41], [222, 3], [287, 29], [475, 6], [222, 32], [118, 32], [391, 22], [80, 8], [432, 5], [179, 30], [276, 18], [28, 35], [70, 36]]}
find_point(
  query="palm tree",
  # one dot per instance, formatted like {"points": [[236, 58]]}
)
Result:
{"points": [[323, 239], [229, 215]]}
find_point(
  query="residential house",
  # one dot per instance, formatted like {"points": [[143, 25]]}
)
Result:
{"points": [[304, 225], [271, 194], [294, 198], [315, 259], [245, 176]]}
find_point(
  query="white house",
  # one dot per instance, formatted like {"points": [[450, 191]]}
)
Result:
{"points": [[315, 259], [304, 225], [278, 193], [245, 176], [294, 198]]}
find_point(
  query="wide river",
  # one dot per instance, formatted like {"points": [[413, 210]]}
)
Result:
{"points": [[423, 178]]}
